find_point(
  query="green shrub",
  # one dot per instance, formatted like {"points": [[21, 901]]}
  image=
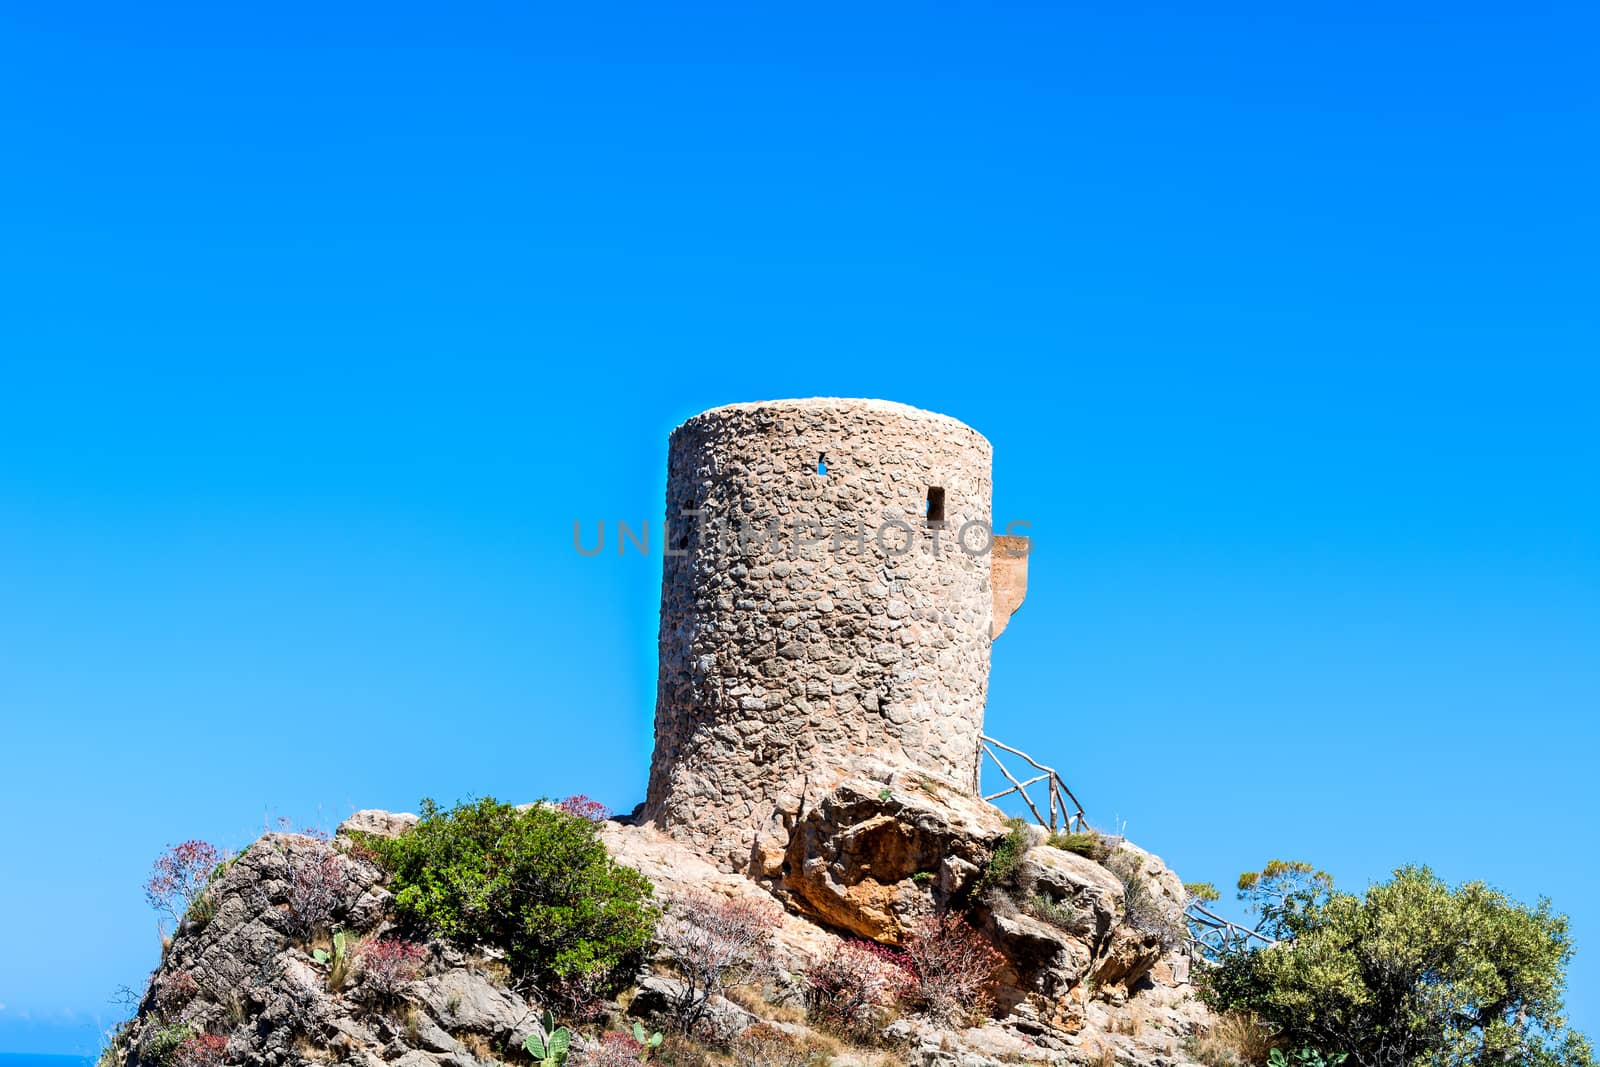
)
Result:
{"points": [[115, 1052], [1306, 1057], [161, 1046], [1143, 908], [1091, 844], [1002, 865], [1062, 914], [1411, 972], [537, 884]]}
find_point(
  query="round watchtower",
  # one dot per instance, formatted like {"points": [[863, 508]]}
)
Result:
{"points": [[826, 596]]}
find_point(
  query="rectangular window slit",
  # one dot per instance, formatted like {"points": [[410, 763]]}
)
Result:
{"points": [[935, 505]]}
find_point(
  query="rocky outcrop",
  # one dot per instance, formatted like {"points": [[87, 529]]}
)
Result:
{"points": [[255, 962], [1072, 993], [881, 851], [677, 871], [377, 823], [1082, 977], [1064, 921]]}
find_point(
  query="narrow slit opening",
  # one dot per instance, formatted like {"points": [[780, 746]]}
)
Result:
{"points": [[935, 504], [822, 464]]}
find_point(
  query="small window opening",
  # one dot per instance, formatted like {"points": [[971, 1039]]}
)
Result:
{"points": [[822, 464], [935, 505]]}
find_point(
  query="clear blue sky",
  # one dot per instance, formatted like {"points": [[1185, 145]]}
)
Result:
{"points": [[321, 324]]}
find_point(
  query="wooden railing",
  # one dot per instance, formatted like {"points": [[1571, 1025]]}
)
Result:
{"points": [[1211, 936], [1065, 811]]}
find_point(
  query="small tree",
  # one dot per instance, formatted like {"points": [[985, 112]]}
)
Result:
{"points": [[953, 969], [1285, 893], [715, 944], [1411, 972], [580, 805], [764, 1045], [201, 1050], [387, 964], [180, 876], [853, 988], [318, 883]]}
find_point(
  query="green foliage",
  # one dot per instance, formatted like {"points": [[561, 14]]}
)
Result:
{"points": [[115, 1052], [1306, 1057], [885, 794], [648, 1042], [1203, 892], [321, 955], [1063, 915], [1283, 893], [1002, 865], [1411, 972], [162, 1045], [203, 910], [922, 877], [549, 1043], [337, 961], [1091, 844], [538, 884]]}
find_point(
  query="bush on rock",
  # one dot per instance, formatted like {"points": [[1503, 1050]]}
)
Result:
{"points": [[536, 883]]}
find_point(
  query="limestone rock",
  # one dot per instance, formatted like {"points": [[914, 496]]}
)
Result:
{"points": [[675, 870], [1048, 957], [242, 964], [869, 856], [466, 1000], [657, 995], [885, 848], [1075, 881], [377, 823]]}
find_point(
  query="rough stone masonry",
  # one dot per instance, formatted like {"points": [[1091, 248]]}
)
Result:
{"points": [[830, 593]]}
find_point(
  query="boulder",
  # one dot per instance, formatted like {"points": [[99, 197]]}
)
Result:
{"points": [[377, 823], [1074, 882], [676, 870], [878, 852], [465, 1000]]}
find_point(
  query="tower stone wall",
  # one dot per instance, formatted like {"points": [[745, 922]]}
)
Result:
{"points": [[816, 608]]}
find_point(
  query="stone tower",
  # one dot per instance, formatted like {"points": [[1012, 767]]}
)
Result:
{"points": [[829, 594]]}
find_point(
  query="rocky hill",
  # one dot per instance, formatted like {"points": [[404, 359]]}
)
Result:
{"points": [[293, 954]]}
